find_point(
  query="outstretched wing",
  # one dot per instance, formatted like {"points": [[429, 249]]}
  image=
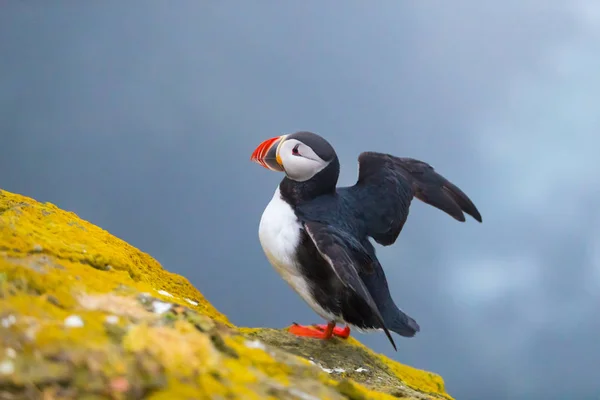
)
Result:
{"points": [[386, 186], [342, 257]]}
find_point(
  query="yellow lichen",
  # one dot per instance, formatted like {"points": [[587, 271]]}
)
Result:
{"points": [[181, 349], [258, 358], [415, 378], [86, 315], [29, 227]]}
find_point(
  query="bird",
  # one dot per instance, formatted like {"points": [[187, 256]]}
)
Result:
{"points": [[317, 235]]}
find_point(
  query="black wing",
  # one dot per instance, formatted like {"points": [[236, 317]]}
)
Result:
{"points": [[386, 186], [341, 256]]}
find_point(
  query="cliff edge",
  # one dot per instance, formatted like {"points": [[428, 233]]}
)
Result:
{"points": [[84, 315]]}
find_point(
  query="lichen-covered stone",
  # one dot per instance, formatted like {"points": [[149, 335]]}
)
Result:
{"points": [[84, 315]]}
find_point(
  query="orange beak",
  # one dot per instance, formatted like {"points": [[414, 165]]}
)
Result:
{"points": [[266, 154]]}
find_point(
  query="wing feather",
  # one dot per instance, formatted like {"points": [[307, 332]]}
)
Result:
{"points": [[386, 186], [333, 248]]}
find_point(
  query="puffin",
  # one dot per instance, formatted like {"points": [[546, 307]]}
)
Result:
{"points": [[317, 235]]}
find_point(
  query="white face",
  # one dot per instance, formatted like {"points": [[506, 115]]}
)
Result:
{"points": [[299, 161]]}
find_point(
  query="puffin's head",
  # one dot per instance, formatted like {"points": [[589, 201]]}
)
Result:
{"points": [[300, 155]]}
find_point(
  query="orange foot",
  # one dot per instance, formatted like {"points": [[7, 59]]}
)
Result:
{"points": [[319, 331], [344, 332]]}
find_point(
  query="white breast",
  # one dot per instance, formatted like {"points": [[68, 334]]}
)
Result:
{"points": [[279, 235]]}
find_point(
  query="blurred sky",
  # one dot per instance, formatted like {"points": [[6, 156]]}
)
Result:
{"points": [[141, 117]]}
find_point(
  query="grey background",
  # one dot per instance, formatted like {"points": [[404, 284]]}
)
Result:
{"points": [[141, 117]]}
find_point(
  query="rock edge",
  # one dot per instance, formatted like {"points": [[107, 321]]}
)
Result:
{"points": [[85, 315]]}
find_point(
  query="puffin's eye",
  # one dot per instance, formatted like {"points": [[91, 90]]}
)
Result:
{"points": [[295, 150]]}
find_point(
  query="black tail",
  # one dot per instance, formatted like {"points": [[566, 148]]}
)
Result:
{"points": [[394, 319], [399, 322]]}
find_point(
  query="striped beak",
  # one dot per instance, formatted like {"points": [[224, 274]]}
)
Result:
{"points": [[267, 155]]}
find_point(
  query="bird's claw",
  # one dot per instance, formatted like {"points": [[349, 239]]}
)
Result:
{"points": [[319, 331], [307, 331], [343, 333]]}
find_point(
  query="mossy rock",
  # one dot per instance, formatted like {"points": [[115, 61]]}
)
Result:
{"points": [[84, 315]]}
